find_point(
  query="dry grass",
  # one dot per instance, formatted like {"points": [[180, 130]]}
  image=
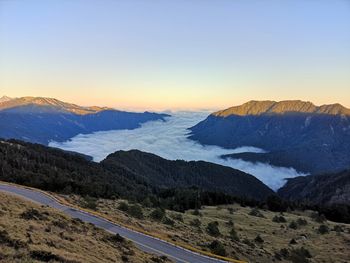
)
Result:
{"points": [[32, 233], [331, 247]]}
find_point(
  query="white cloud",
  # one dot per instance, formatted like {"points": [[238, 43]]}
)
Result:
{"points": [[169, 140]]}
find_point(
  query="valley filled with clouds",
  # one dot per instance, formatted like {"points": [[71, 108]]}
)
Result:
{"points": [[168, 139]]}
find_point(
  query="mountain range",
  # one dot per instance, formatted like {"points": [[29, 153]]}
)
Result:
{"points": [[312, 139], [128, 174], [155, 170], [325, 189], [41, 120]]}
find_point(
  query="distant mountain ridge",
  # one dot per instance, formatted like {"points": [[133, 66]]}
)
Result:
{"points": [[41, 120], [324, 189], [282, 107], [7, 104], [313, 139], [4, 99], [127, 174], [165, 173]]}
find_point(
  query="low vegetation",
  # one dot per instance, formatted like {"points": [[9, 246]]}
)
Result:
{"points": [[236, 232], [30, 233]]}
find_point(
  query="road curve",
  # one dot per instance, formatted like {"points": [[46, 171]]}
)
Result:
{"points": [[144, 242]]}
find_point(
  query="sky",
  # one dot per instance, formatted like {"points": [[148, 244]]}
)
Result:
{"points": [[183, 54]]}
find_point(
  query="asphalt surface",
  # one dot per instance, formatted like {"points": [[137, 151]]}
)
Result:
{"points": [[142, 241]]}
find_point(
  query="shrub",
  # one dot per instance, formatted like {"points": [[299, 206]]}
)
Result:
{"points": [[292, 241], [196, 213], [168, 221], [217, 248], [160, 259], [90, 203], [230, 223], [177, 217], [338, 228], [45, 256], [293, 225], [196, 222], [158, 214], [230, 210], [33, 214], [323, 229], [276, 204], [213, 229], [283, 253], [259, 239], [5, 239], [301, 222], [234, 235], [123, 206], [300, 255], [319, 218], [116, 238], [135, 211], [256, 212], [279, 219]]}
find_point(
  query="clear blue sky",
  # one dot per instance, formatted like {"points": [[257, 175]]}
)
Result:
{"points": [[159, 54]]}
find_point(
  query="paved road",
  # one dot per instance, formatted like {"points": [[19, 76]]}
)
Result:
{"points": [[144, 242]]}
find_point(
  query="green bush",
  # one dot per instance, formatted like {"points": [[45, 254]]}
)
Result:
{"points": [[33, 214], [116, 238], [259, 239], [319, 218], [300, 255], [168, 221], [213, 229], [196, 222], [256, 212], [177, 217], [158, 214], [234, 235], [301, 222], [196, 213], [279, 219], [135, 211], [90, 203], [323, 229], [293, 225], [218, 248], [123, 206]]}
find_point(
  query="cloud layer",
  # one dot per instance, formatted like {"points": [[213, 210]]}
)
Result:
{"points": [[169, 140]]}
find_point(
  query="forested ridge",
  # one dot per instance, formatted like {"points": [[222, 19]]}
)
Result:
{"points": [[64, 172], [138, 177]]}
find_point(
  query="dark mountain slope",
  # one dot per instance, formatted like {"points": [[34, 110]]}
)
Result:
{"points": [[325, 189], [59, 171], [129, 176], [176, 174], [41, 120], [299, 134]]}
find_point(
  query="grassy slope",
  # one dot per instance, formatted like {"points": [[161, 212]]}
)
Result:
{"points": [[56, 236], [331, 247]]}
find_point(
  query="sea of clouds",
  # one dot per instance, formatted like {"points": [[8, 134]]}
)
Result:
{"points": [[168, 139]]}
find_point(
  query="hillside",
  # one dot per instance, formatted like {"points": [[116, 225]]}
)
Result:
{"points": [[176, 174], [63, 172], [41, 120], [329, 189], [291, 236], [31, 233], [297, 134]]}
